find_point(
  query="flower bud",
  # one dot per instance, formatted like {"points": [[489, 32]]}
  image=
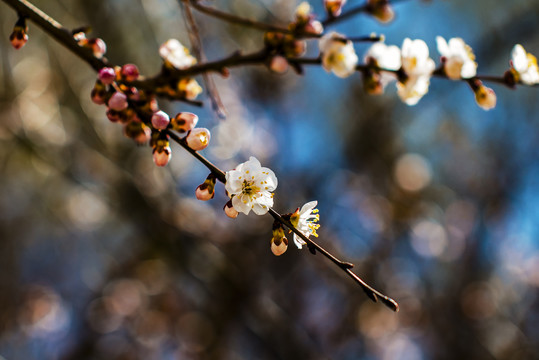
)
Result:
{"points": [[99, 93], [198, 138], [230, 211], [485, 97], [278, 64], [19, 36], [279, 242], [334, 7], [98, 47], [160, 120], [206, 190], [293, 47], [184, 121], [161, 152], [130, 72], [381, 10], [118, 101], [107, 75], [314, 27], [138, 131], [113, 115]]}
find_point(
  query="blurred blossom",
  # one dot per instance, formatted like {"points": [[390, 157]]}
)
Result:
{"points": [[429, 238], [151, 328], [100, 318], [376, 322], [43, 313], [85, 209], [401, 347], [412, 172], [478, 301], [124, 297], [195, 332]]}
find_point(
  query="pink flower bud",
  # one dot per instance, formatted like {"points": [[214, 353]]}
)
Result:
{"points": [[113, 115], [198, 138], [118, 101], [98, 46], [130, 72], [314, 27], [279, 242], [138, 131], [99, 93], [19, 36], [278, 64], [160, 120], [162, 155], [230, 211], [107, 75], [203, 193], [184, 121]]}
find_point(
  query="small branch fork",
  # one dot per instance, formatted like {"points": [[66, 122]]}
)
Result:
{"points": [[65, 37]]}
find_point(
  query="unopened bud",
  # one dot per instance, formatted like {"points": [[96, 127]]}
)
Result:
{"points": [[99, 93], [372, 83], [162, 152], [485, 97], [279, 242], [160, 120], [130, 72], [314, 27], [19, 36], [206, 190], [381, 10], [278, 64], [230, 211], [184, 121], [107, 75], [334, 7], [198, 138], [98, 47], [138, 131], [118, 101]]}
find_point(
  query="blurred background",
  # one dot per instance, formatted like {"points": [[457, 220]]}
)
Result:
{"points": [[105, 256]]}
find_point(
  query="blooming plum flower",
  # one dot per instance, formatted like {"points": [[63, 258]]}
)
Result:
{"points": [[384, 57], [338, 54], [176, 55], [457, 57], [250, 185], [418, 67], [524, 65], [305, 220]]}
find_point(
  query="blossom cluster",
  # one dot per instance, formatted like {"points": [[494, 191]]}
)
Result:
{"points": [[138, 110]]}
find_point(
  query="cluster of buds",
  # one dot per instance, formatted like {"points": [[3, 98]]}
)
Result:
{"points": [[97, 45], [19, 35], [283, 46]]}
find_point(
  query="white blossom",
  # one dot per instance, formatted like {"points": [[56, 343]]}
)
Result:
{"points": [[338, 54], [305, 220], [459, 59], [177, 55], [250, 185], [525, 64], [418, 67]]}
